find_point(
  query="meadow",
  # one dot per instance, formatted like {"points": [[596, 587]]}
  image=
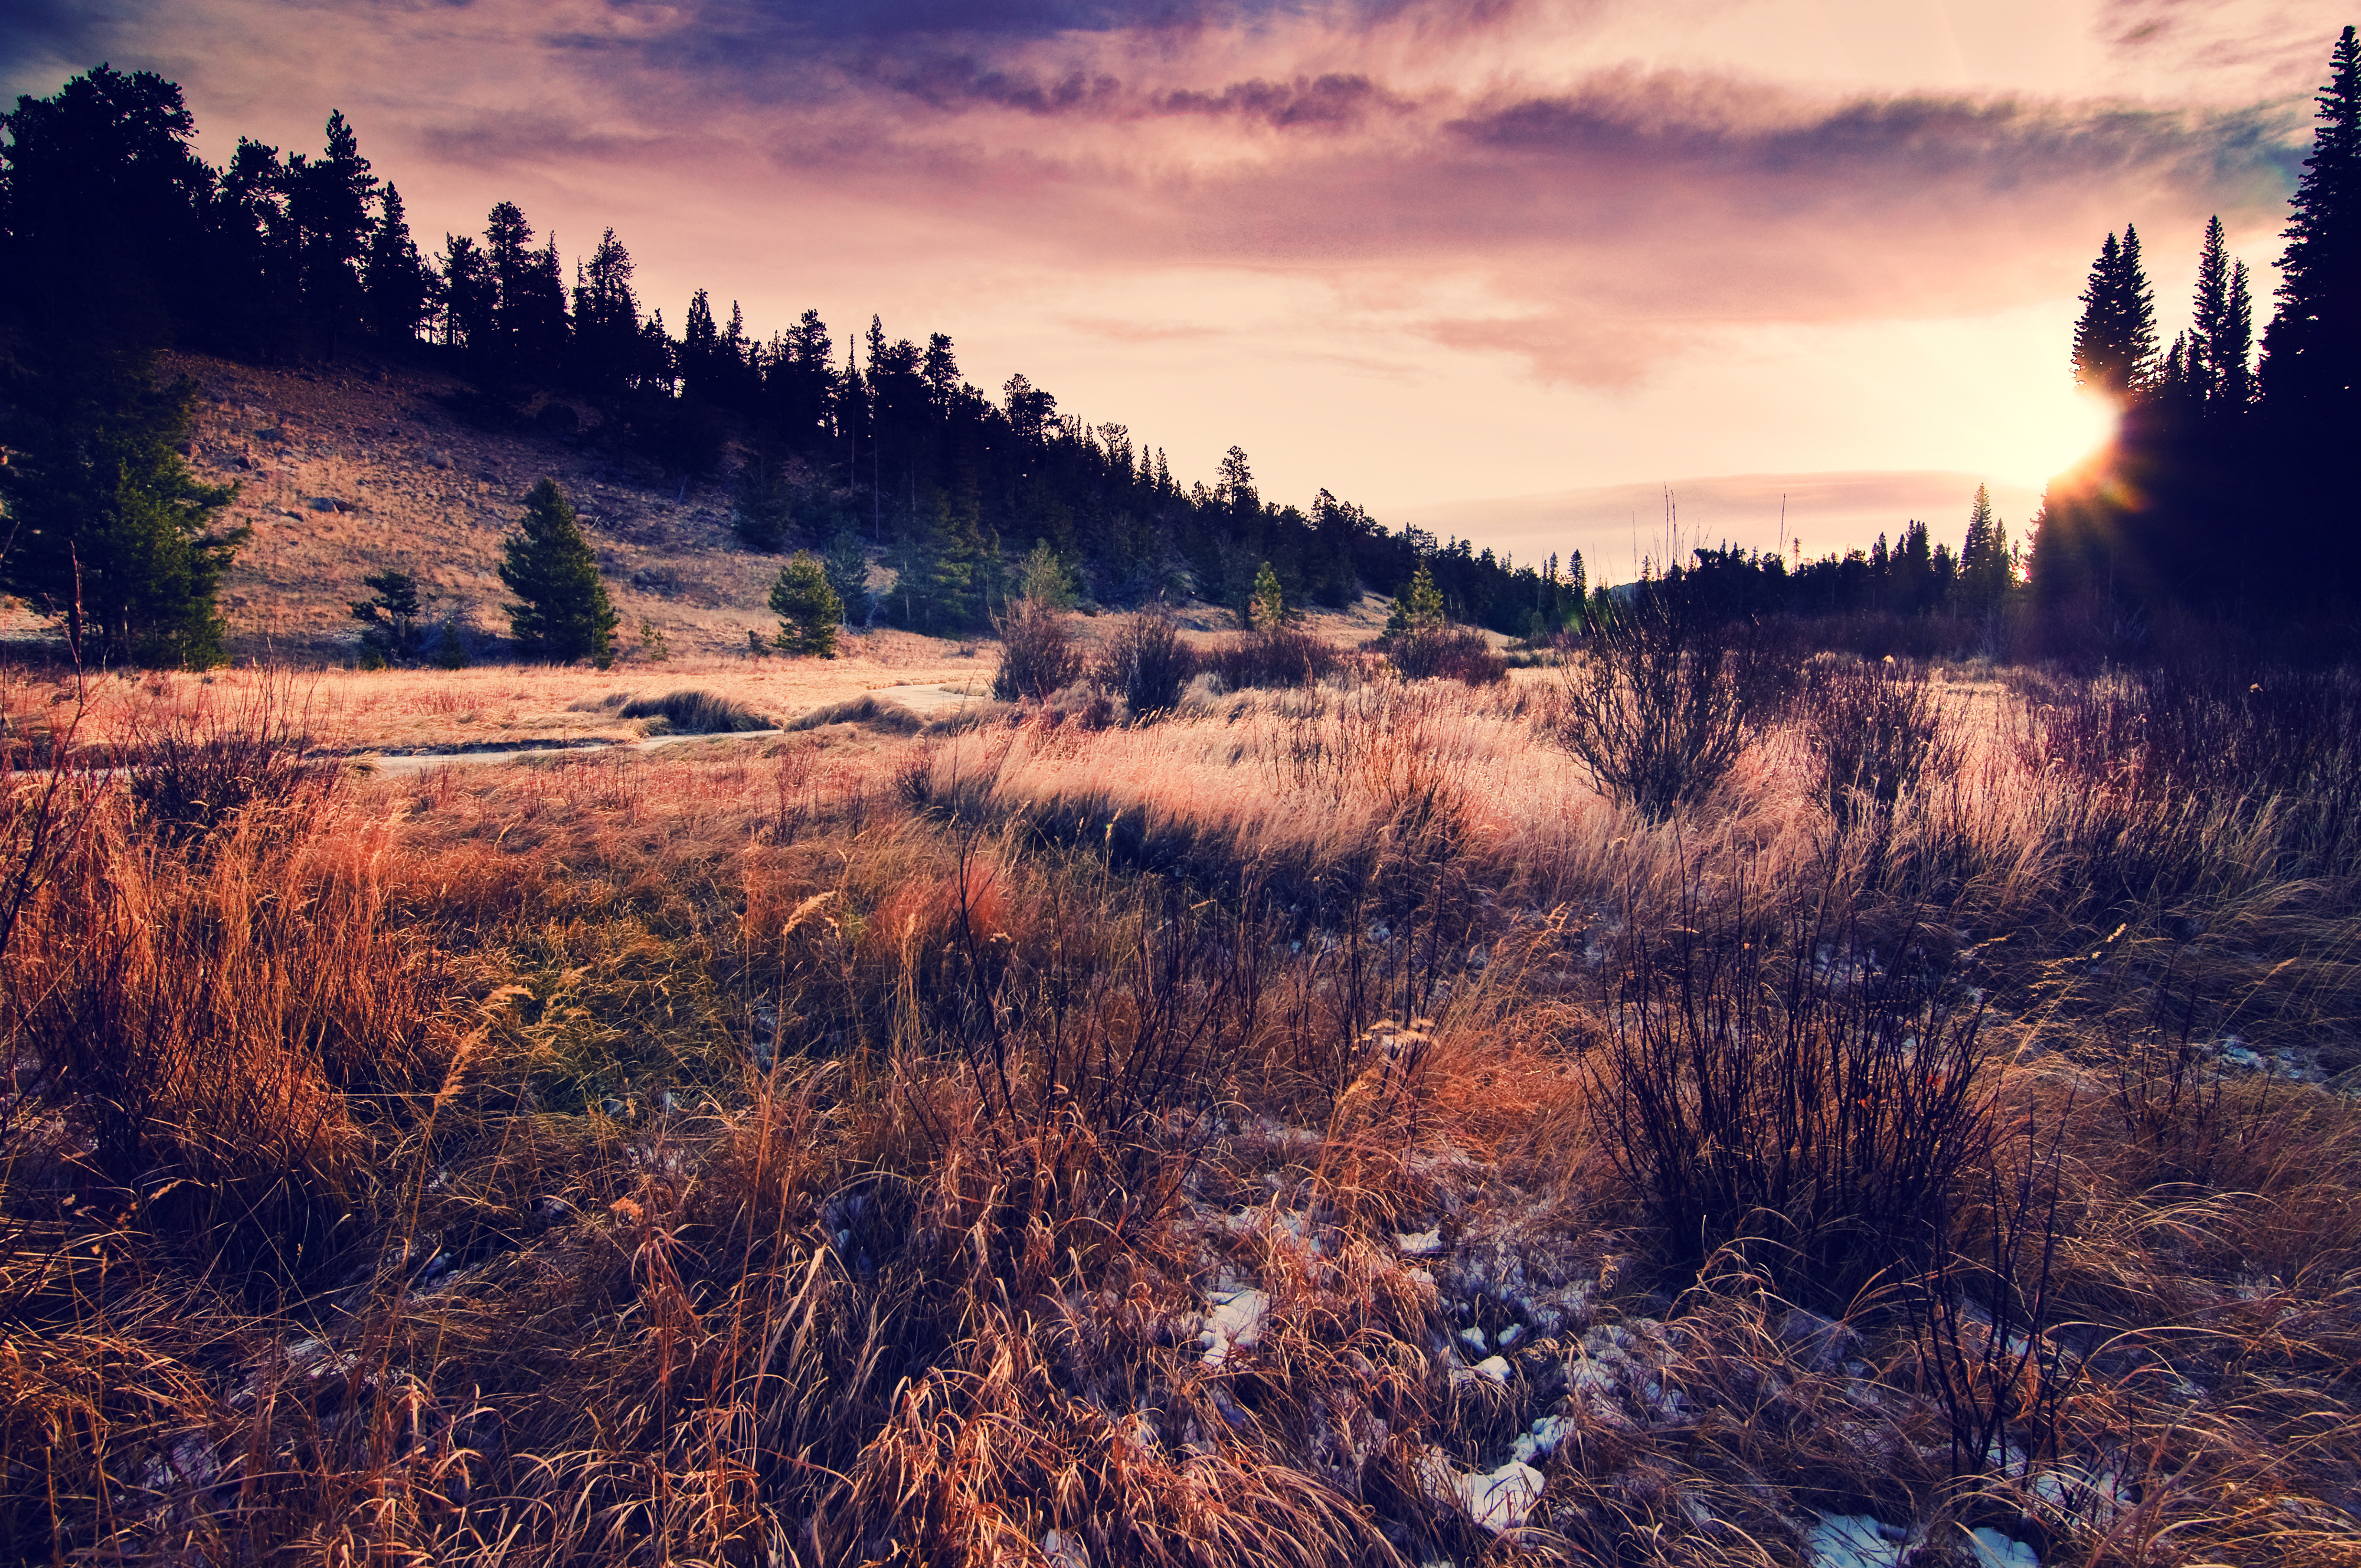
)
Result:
{"points": [[1333, 1122]]}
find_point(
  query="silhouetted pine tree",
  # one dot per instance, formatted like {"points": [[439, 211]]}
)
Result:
{"points": [[2311, 350], [2114, 342], [401, 289], [102, 194]]}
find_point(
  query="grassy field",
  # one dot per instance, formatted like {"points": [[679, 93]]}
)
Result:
{"points": [[1324, 1125]]}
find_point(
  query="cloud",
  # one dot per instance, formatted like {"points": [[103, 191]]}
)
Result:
{"points": [[1595, 223]]}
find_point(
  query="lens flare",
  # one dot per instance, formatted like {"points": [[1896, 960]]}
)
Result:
{"points": [[2066, 433]]}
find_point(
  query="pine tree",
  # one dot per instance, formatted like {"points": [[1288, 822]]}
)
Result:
{"points": [[1985, 564], [2114, 341], [103, 190], [108, 532], [391, 615], [809, 610], [1267, 609], [847, 565], [400, 287], [1419, 606], [2311, 350], [329, 202], [564, 614], [2210, 313]]}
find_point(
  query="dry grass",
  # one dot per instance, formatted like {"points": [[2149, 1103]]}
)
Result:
{"points": [[1190, 1143], [359, 711]]}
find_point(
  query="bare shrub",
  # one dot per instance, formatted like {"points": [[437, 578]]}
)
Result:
{"points": [[1275, 658], [1982, 1318], [1146, 664], [1038, 654], [1768, 1085], [1657, 706], [1445, 652], [193, 770], [2220, 737], [696, 713], [1874, 732]]}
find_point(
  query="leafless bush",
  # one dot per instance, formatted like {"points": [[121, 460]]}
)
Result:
{"points": [[1279, 657], [193, 770], [1981, 1319], [1658, 705], [1445, 652], [1147, 665], [1874, 731], [1038, 654], [1770, 1084], [2218, 736]]}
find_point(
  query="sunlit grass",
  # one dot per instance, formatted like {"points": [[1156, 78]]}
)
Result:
{"points": [[837, 1146]]}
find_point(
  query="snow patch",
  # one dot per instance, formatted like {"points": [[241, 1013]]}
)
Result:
{"points": [[1543, 1440], [1234, 1323], [1499, 1499], [1420, 1243]]}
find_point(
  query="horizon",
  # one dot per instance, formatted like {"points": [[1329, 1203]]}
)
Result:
{"points": [[1347, 238]]}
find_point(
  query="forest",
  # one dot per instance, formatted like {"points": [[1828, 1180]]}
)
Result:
{"points": [[120, 238], [1710, 1092]]}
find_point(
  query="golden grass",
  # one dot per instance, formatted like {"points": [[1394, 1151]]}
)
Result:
{"points": [[358, 711], [841, 1147]]}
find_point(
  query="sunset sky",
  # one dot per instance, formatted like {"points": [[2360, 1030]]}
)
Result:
{"points": [[1502, 269]]}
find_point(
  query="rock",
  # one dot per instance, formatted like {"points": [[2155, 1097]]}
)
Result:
{"points": [[323, 503], [272, 432], [438, 460]]}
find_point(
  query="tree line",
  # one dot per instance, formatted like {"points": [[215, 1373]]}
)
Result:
{"points": [[119, 239], [2228, 495], [2222, 511]]}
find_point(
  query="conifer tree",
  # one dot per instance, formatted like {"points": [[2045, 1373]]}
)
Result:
{"points": [[847, 565], [2312, 351], [564, 614], [2114, 341], [1267, 609], [389, 615], [107, 531], [1419, 606], [809, 610], [400, 287], [1985, 564]]}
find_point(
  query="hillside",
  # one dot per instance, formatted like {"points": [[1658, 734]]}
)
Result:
{"points": [[416, 488], [360, 468]]}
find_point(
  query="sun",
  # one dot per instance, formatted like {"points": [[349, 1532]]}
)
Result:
{"points": [[2050, 435]]}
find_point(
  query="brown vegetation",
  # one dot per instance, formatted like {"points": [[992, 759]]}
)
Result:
{"points": [[1317, 1126]]}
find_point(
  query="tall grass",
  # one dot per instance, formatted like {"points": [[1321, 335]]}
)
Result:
{"points": [[1223, 1141]]}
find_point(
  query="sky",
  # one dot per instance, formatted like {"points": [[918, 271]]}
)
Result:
{"points": [[1615, 275]]}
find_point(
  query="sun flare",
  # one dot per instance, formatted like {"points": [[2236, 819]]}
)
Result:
{"points": [[2059, 434]]}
